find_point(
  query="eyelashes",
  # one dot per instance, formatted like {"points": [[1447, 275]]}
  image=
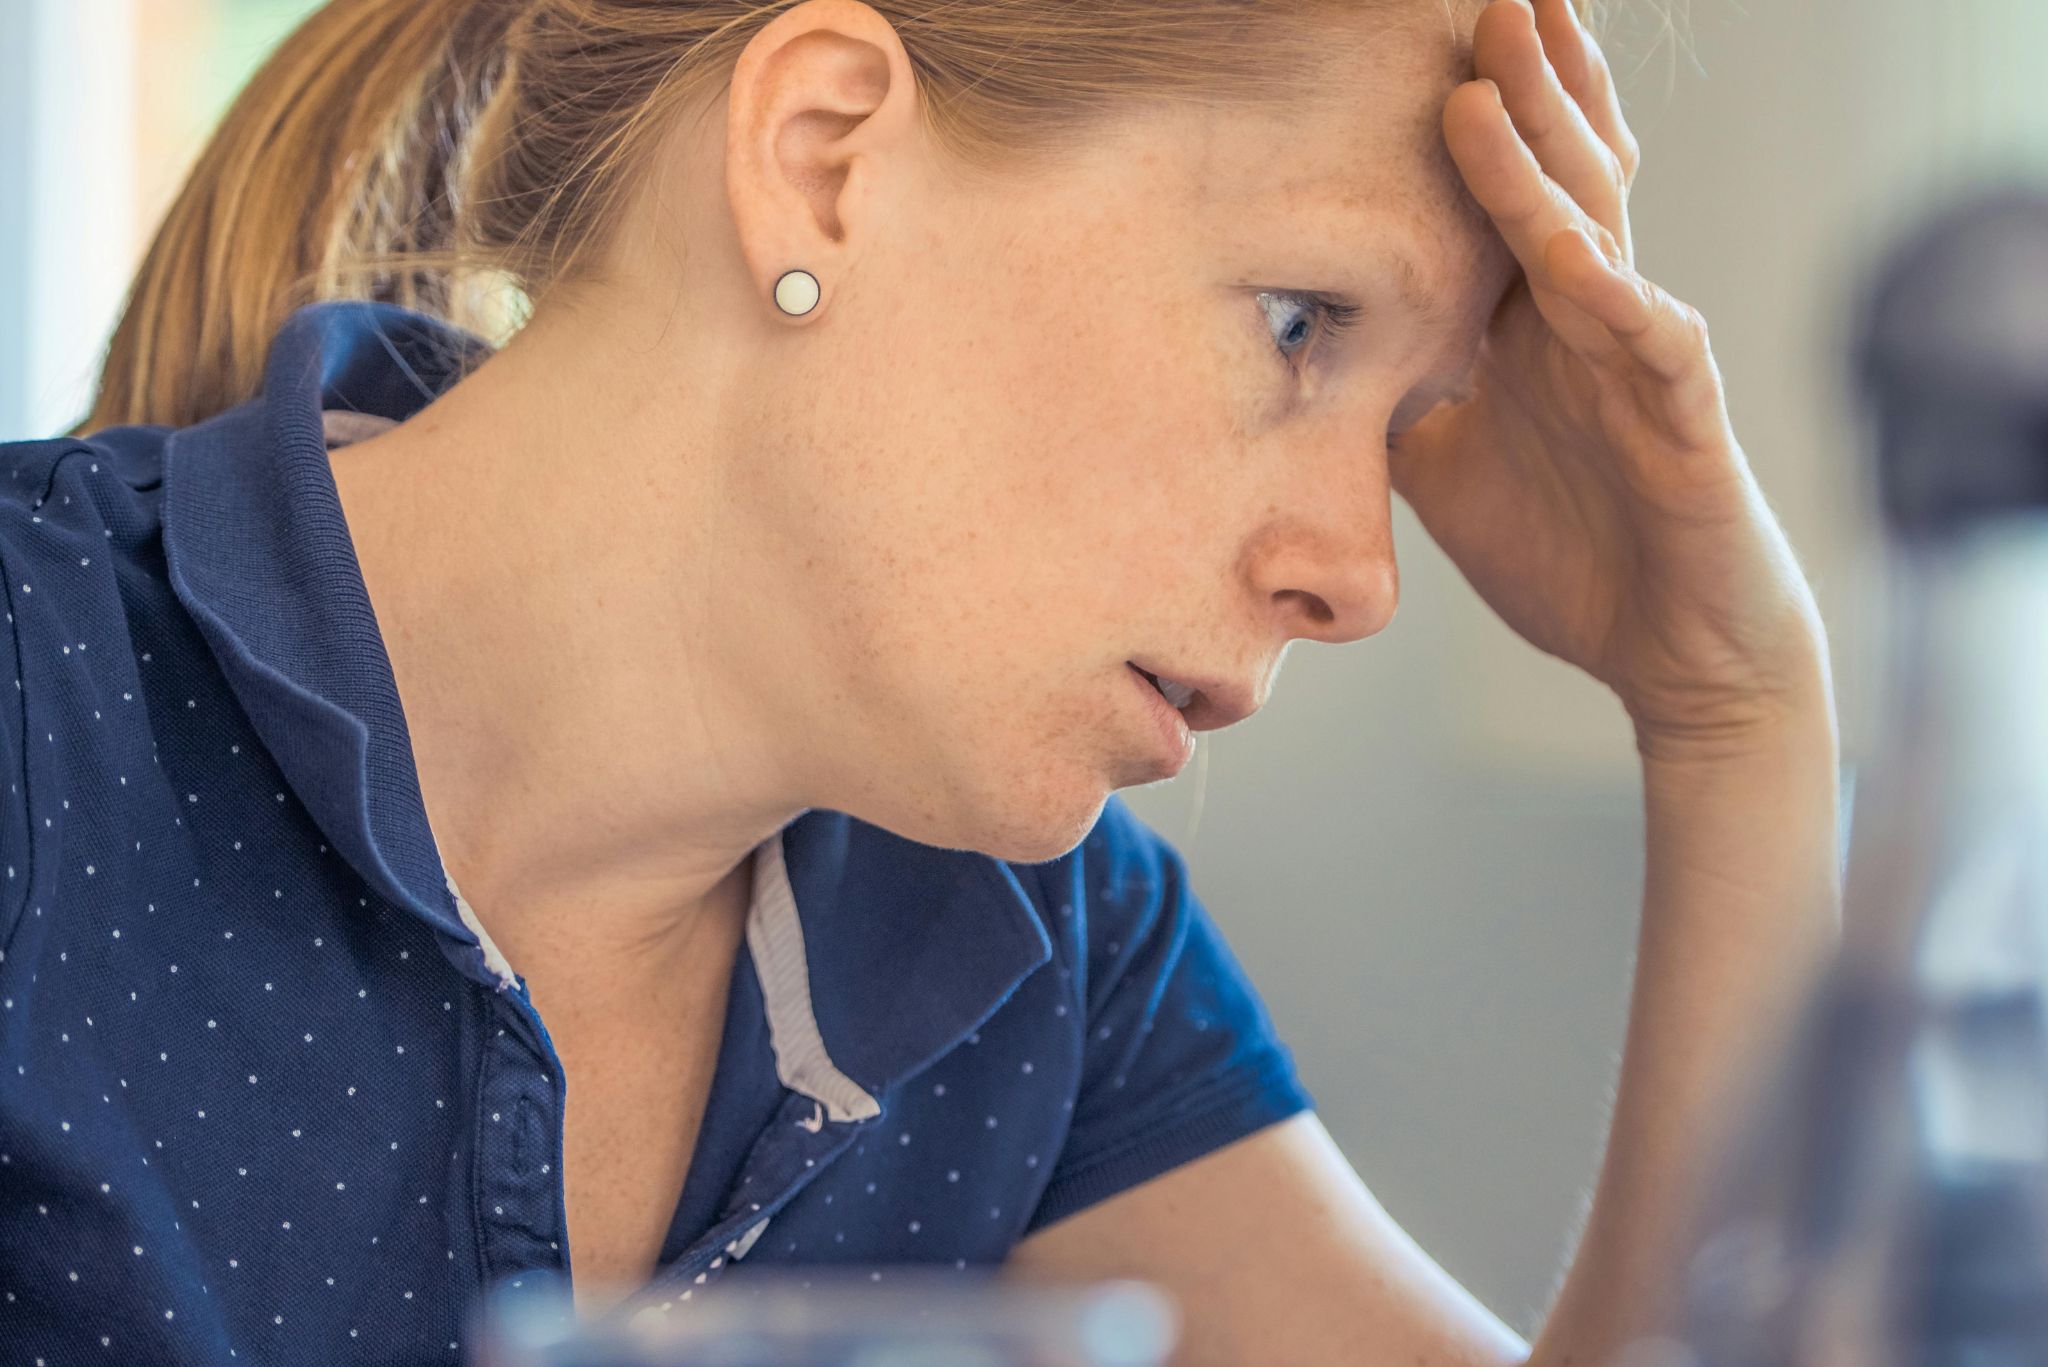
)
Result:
{"points": [[1338, 316], [1329, 317]]}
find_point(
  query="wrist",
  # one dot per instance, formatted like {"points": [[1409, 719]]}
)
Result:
{"points": [[1760, 806], [1793, 715]]}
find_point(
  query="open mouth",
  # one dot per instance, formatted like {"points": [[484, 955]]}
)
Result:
{"points": [[1178, 694]]}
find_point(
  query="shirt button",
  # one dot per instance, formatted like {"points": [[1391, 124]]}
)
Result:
{"points": [[738, 1247]]}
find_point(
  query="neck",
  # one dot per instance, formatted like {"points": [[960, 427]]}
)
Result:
{"points": [[579, 637]]}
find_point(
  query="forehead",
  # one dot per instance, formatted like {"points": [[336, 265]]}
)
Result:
{"points": [[1351, 174]]}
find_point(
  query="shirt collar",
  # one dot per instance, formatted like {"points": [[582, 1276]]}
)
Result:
{"points": [[892, 950]]}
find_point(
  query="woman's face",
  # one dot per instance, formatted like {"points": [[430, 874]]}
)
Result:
{"points": [[1036, 432]]}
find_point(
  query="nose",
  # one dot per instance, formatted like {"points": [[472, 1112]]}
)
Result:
{"points": [[1326, 568]]}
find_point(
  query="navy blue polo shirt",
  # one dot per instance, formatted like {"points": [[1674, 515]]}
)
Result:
{"points": [[268, 1094]]}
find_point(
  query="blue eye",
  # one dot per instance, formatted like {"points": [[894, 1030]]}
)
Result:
{"points": [[1300, 316]]}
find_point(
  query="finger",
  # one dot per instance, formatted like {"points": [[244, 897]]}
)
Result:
{"points": [[1585, 274], [1657, 329], [1582, 68], [1526, 205], [1645, 326], [1509, 49]]}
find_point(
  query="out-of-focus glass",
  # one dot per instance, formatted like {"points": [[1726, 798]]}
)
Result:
{"points": [[1889, 1207], [825, 1317]]}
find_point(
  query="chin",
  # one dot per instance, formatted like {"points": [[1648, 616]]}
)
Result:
{"points": [[1048, 840], [1029, 814]]}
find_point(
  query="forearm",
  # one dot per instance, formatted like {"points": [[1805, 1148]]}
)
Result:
{"points": [[1740, 914]]}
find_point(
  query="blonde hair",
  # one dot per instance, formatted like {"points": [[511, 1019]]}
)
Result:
{"points": [[462, 157]]}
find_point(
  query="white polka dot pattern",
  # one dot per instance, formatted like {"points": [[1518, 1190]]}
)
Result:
{"points": [[267, 1092]]}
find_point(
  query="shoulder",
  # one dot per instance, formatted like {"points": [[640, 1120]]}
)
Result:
{"points": [[1118, 900], [70, 507], [35, 475], [1120, 872], [60, 495]]}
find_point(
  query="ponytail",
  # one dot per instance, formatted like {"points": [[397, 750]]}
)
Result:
{"points": [[337, 173]]}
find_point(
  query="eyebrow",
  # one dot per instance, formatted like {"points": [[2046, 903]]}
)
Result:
{"points": [[1428, 308], [1431, 310], [1436, 312]]}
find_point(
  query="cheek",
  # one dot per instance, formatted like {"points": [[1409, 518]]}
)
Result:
{"points": [[1125, 416], [1038, 430], [1125, 489], [1019, 499]]}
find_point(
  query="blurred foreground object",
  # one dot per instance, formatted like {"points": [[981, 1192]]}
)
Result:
{"points": [[916, 1317], [1889, 1205]]}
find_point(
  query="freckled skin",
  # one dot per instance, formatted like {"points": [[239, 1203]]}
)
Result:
{"points": [[890, 558], [672, 567]]}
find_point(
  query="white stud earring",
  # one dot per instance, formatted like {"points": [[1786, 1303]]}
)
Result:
{"points": [[796, 292]]}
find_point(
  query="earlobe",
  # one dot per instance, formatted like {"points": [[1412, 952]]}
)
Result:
{"points": [[817, 99]]}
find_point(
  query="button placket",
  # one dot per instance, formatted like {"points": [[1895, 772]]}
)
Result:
{"points": [[787, 1157], [519, 1139]]}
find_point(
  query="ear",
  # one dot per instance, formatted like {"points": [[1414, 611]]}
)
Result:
{"points": [[821, 105]]}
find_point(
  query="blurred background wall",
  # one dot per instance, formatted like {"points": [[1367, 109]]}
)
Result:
{"points": [[1427, 849]]}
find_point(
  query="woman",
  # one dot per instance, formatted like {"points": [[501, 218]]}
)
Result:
{"points": [[925, 422]]}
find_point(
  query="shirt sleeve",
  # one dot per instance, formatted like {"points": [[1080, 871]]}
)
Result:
{"points": [[14, 825], [1179, 1055]]}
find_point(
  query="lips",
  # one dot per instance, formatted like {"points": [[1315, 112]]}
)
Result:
{"points": [[1208, 703], [1175, 692]]}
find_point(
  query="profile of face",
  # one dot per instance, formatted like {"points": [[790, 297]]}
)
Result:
{"points": [[1131, 407]]}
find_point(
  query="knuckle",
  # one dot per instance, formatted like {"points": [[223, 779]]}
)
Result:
{"points": [[1615, 167], [1646, 290], [1630, 155], [1526, 213]]}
